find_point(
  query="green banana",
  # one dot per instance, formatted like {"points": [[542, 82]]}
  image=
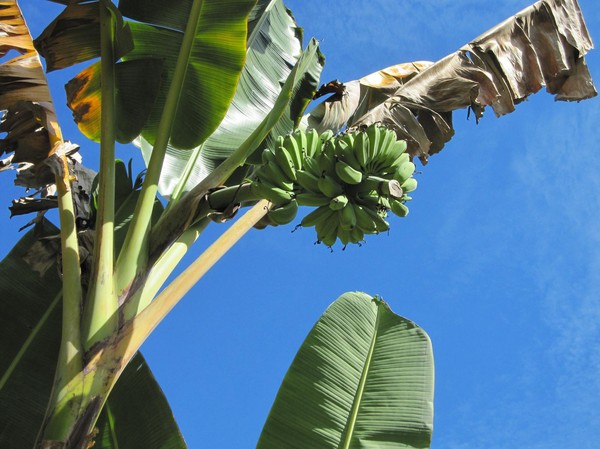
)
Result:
{"points": [[307, 181], [274, 194], [399, 208], [345, 237], [273, 173], [329, 186], [339, 202], [324, 137], [370, 183], [283, 214], [301, 143], [390, 151], [327, 230], [312, 166], [295, 151], [286, 163], [401, 158], [313, 144], [312, 199], [368, 199], [344, 152], [404, 171], [360, 147], [364, 221], [388, 139], [326, 164], [374, 136], [384, 202], [348, 174], [348, 217], [380, 224], [348, 138], [357, 235], [320, 213], [409, 185]]}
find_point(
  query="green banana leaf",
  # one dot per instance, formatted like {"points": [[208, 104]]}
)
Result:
{"points": [[214, 66], [177, 218], [273, 47], [137, 414], [30, 326], [29, 341], [363, 378]]}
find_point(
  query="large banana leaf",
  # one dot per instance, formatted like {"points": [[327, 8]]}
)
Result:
{"points": [[298, 86], [30, 325], [29, 342], [273, 47], [543, 45], [136, 414], [363, 378], [214, 66]]}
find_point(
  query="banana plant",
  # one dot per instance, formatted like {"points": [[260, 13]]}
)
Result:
{"points": [[210, 152]]}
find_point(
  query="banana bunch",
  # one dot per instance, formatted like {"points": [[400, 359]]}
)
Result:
{"points": [[353, 180]]}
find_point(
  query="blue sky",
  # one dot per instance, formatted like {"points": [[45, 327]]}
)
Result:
{"points": [[499, 259]]}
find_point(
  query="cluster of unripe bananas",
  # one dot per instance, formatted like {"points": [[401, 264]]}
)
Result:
{"points": [[353, 180]]}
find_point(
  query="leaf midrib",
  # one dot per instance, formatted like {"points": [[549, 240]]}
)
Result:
{"points": [[258, 27], [361, 386]]}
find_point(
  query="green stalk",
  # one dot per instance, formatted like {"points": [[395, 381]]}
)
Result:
{"points": [[135, 332], [162, 270], [185, 176], [106, 364], [100, 319], [65, 402], [168, 261], [133, 257]]}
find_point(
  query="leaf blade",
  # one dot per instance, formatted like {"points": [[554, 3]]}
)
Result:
{"points": [[321, 404]]}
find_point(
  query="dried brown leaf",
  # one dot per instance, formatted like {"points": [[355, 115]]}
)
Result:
{"points": [[29, 119], [543, 45]]}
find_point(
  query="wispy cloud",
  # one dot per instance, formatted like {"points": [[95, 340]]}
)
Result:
{"points": [[554, 380]]}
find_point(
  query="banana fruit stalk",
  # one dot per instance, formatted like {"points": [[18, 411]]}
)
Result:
{"points": [[352, 180]]}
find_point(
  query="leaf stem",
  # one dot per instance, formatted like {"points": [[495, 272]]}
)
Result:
{"points": [[133, 257], [100, 318], [162, 270], [167, 262], [65, 402], [135, 332]]}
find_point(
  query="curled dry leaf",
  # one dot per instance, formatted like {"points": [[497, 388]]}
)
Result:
{"points": [[543, 45], [29, 124]]}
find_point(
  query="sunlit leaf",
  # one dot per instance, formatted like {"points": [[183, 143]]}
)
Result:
{"points": [[273, 47], [213, 67], [363, 378], [137, 83]]}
